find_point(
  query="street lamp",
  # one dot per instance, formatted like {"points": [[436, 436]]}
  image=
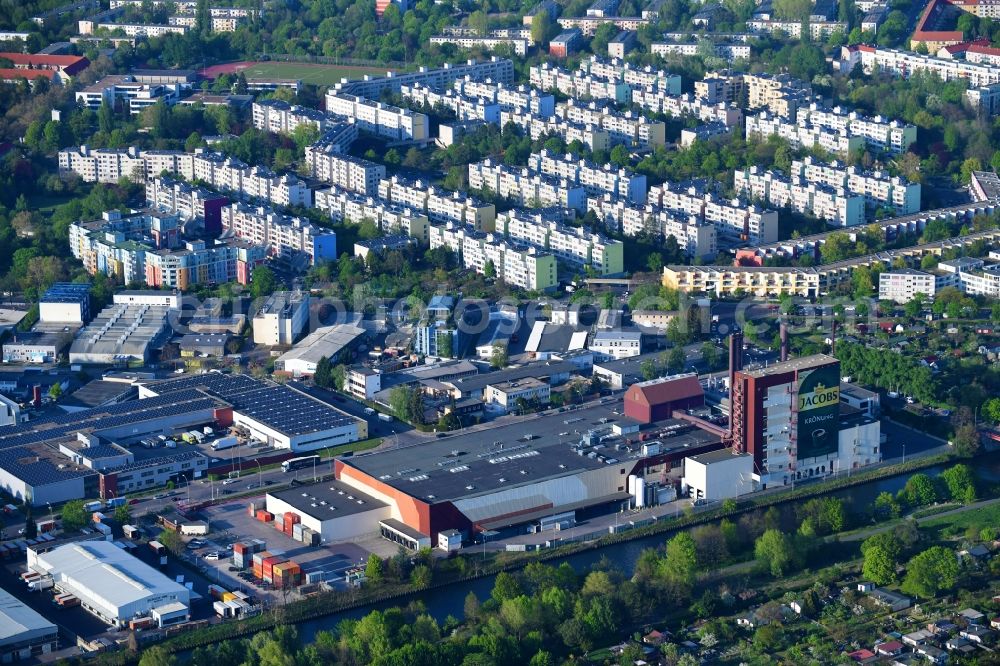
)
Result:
{"points": [[260, 474]]}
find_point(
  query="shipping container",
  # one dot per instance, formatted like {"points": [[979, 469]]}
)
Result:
{"points": [[241, 548], [267, 568], [131, 531], [97, 516], [221, 609], [69, 600], [228, 596], [142, 623], [216, 591], [257, 545], [93, 506], [264, 516], [252, 508], [29, 576], [297, 531]]}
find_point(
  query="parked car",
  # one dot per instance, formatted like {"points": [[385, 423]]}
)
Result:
{"points": [[214, 556]]}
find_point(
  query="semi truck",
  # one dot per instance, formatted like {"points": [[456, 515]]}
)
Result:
{"points": [[115, 502], [224, 443], [41, 584], [385, 417], [91, 507]]}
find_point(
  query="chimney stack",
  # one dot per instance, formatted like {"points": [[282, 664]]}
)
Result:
{"points": [[833, 338], [735, 356], [783, 332]]}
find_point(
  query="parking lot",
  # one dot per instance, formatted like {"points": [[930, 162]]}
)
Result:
{"points": [[230, 522]]}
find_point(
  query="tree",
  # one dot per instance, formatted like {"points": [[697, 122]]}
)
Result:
{"points": [[479, 22], [489, 269], [966, 440], [498, 356], [886, 507], [879, 567], [338, 377], [322, 374], [505, 586], [932, 571], [421, 576], [74, 516], [55, 392], [157, 656], [919, 491], [961, 483], [710, 355], [374, 569], [123, 513], [541, 26], [775, 552], [263, 282], [680, 563], [171, 540], [991, 408], [676, 360], [105, 118]]}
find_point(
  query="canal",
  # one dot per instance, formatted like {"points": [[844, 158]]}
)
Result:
{"points": [[450, 600]]}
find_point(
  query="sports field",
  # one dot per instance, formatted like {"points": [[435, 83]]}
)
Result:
{"points": [[317, 75]]}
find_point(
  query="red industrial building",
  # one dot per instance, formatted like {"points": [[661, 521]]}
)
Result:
{"points": [[657, 399]]}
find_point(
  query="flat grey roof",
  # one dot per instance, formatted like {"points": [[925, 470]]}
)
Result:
{"points": [[540, 369], [517, 454], [19, 623], [328, 499], [721, 455], [792, 365]]}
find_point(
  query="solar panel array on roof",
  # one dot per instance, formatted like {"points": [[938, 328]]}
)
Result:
{"points": [[289, 411], [220, 384], [36, 470], [154, 462]]}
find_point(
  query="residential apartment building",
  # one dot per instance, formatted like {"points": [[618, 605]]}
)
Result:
{"points": [[187, 201], [588, 25], [729, 51], [578, 85], [818, 30], [592, 136], [222, 20], [983, 79], [124, 89], [498, 70], [596, 180], [349, 207], [379, 119], [280, 117], [521, 98], [902, 285], [688, 105], [282, 235], [693, 234], [327, 163], [517, 265], [565, 43], [147, 30], [525, 187], [838, 207], [282, 318], [518, 46], [102, 165], [574, 246], [879, 188], [802, 134], [891, 136], [735, 220], [973, 276], [464, 108], [733, 281], [438, 205], [623, 127]]}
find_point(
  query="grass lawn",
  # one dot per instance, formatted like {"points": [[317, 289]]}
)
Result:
{"points": [[955, 525], [313, 74]]}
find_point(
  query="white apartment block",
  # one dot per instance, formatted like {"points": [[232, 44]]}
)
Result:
{"points": [[221, 21], [592, 136], [282, 318], [721, 86], [588, 25], [572, 245], [891, 136], [973, 276], [687, 105], [187, 201], [643, 77], [500, 70], [284, 236], [137, 96], [802, 134], [594, 179], [377, 118], [464, 108], [818, 30], [523, 267], [728, 51], [631, 129], [280, 117], [327, 163], [837, 206], [577, 85], [693, 234], [522, 98], [878, 188], [902, 285], [983, 55], [102, 165], [516, 45], [525, 187], [735, 220], [438, 205], [983, 79], [344, 207], [140, 29]]}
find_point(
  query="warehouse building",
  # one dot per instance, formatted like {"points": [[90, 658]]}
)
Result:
{"points": [[656, 399], [336, 343], [334, 510], [65, 303], [24, 634], [549, 469], [111, 584], [718, 475]]}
